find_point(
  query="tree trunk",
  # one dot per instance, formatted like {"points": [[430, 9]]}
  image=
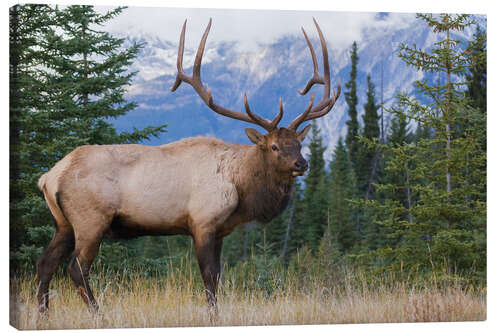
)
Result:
{"points": [[246, 231], [408, 193], [14, 95], [85, 71], [467, 179], [288, 228], [382, 135], [448, 125], [15, 195], [373, 173]]}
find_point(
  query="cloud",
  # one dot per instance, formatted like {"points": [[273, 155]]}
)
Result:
{"points": [[249, 28]]}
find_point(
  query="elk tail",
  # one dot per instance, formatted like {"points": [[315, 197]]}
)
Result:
{"points": [[42, 182]]}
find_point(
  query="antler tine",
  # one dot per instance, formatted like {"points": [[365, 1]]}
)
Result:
{"points": [[204, 93], [331, 102], [315, 78], [256, 119], [277, 119], [326, 104], [317, 114], [180, 56], [301, 118], [326, 65], [199, 54]]}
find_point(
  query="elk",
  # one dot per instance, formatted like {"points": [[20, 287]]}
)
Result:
{"points": [[202, 187]]}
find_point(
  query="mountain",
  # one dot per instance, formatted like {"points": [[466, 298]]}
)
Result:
{"points": [[272, 71]]}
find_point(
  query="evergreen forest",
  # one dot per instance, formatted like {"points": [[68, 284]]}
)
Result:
{"points": [[405, 198]]}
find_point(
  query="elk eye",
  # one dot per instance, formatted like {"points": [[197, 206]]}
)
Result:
{"points": [[273, 147]]}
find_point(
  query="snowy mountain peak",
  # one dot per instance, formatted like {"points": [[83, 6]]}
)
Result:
{"points": [[267, 73]]}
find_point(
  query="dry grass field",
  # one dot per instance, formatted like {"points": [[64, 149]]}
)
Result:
{"points": [[152, 302]]}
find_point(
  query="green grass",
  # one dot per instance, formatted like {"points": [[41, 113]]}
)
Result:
{"points": [[266, 293]]}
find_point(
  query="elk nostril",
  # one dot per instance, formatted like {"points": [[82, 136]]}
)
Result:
{"points": [[301, 165]]}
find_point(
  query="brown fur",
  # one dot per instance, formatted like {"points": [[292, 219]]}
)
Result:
{"points": [[203, 187]]}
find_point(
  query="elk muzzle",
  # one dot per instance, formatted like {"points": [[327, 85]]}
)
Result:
{"points": [[301, 166]]}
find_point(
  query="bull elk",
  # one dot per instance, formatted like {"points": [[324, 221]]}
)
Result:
{"points": [[201, 187]]}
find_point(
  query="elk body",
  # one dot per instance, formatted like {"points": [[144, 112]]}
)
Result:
{"points": [[201, 187]]}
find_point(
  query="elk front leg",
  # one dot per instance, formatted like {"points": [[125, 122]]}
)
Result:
{"points": [[208, 251]]}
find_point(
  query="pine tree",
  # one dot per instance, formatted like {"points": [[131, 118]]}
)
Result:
{"points": [[398, 176], [290, 219], [351, 98], [352, 137], [472, 120], [423, 132], [369, 162], [68, 79], [476, 76], [368, 158], [28, 25], [312, 219], [399, 131], [446, 149], [476, 82], [91, 74], [439, 218], [342, 185], [394, 198]]}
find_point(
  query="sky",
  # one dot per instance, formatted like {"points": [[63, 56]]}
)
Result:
{"points": [[250, 27]]}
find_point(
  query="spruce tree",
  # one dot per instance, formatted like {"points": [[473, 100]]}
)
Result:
{"points": [[472, 120], [476, 76], [398, 175], [368, 159], [351, 98], [446, 150], [393, 199], [423, 132], [28, 25], [476, 83], [68, 80], [91, 71], [313, 215], [399, 131], [443, 217], [290, 217], [352, 138], [342, 186]]}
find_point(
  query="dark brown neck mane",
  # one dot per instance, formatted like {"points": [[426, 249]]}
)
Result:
{"points": [[263, 192]]}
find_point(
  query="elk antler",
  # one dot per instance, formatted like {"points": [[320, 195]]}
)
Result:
{"points": [[326, 104], [206, 96]]}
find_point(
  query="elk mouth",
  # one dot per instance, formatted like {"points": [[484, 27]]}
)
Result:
{"points": [[300, 167]]}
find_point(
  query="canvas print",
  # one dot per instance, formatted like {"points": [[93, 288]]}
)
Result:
{"points": [[178, 167]]}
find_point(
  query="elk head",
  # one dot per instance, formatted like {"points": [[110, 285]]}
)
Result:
{"points": [[281, 146]]}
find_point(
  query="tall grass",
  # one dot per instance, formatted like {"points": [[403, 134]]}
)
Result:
{"points": [[254, 292]]}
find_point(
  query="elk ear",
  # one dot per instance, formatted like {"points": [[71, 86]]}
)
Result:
{"points": [[255, 136], [301, 135]]}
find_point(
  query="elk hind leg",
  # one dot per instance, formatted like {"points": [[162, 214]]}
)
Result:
{"points": [[87, 242], [58, 249]]}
